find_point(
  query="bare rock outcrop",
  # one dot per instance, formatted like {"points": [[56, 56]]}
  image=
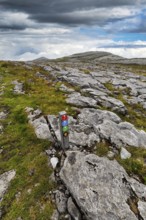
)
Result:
{"points": [[94, 84], [102, 189], [90, 127], [78, 100]]}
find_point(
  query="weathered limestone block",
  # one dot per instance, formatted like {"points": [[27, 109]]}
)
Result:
{"points": [[98, 186], [79, 100], [121, 134]]}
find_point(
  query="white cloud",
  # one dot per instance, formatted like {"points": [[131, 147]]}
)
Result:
{"points": [[53, 41], [15, 20], [29, 46], [26, 47], [47, 31], [126, 25], [102, 15], [127, 52]]}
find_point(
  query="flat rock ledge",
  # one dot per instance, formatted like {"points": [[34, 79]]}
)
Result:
{"points": [[102, 189]]}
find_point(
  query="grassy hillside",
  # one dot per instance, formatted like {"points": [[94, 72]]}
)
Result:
{"points": [[28, 197]]}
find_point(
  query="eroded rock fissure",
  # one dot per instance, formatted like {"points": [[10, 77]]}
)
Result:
{"points": [[132, 201], [92, 165], [56, 141], [133, 204], [63, 195], [82, 214]]}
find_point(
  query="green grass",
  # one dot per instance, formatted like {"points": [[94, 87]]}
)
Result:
{"points": [[22, 151], [86, 71], [109, 86], [134, 68], [136, 164], [102, 148]]}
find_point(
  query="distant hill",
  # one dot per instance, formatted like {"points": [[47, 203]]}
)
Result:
{"points": [[100, 56], [41, 60], [93, 57]]}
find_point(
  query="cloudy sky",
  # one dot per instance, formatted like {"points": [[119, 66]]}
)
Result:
{"points": [[54, 28]]}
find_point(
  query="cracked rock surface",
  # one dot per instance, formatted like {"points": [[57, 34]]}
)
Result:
{"points": [[101, 187], [91, 126], [93, 85]]}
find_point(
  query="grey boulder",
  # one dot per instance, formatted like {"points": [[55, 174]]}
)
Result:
{"points": [[114, 104], [124, 154], [41, 128], [121, 134], [98, 187], [78, 100], [5, 180]]}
